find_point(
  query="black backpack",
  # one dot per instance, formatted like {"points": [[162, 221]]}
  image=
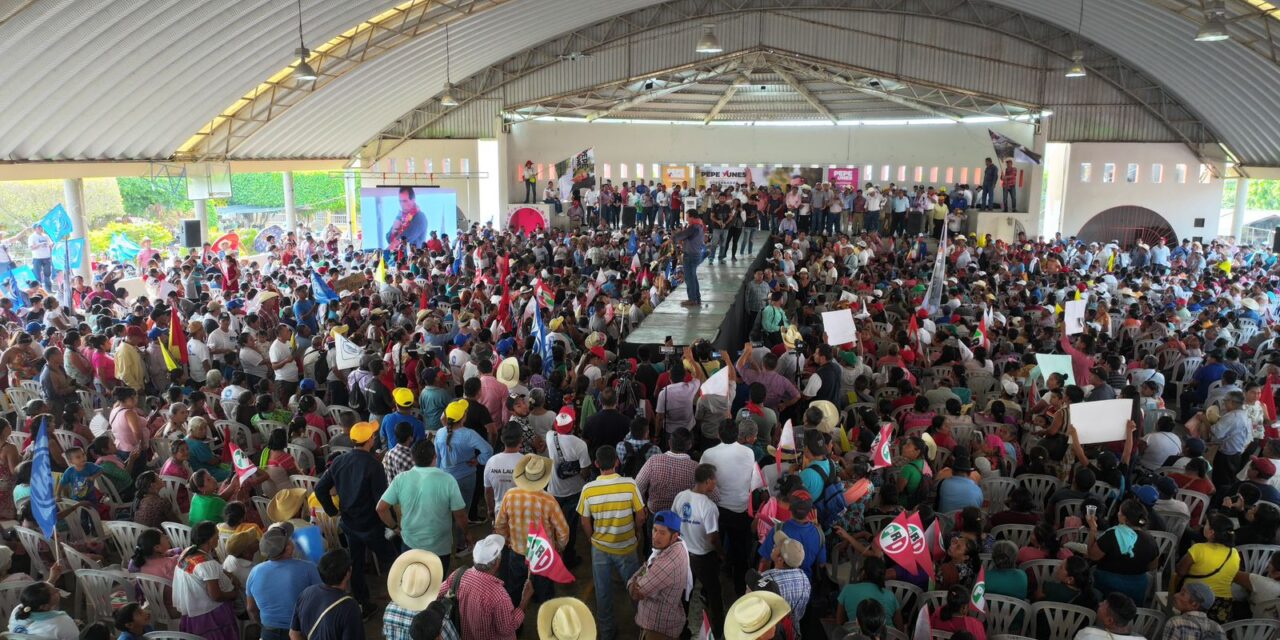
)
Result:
{"points": [[635, 458]]}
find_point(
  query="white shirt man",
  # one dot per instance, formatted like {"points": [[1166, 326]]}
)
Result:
{"points": [[199, 361], [498, 473], [40, 245], [698, 518], [736, 473], [282, 351], [566, 447]]}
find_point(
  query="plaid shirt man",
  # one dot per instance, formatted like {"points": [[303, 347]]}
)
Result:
{"points": [[1193, 625], [398, 460], [484, 608], [520, 507], [397, 620], [661, 584], [662, 477], [793, 586]]}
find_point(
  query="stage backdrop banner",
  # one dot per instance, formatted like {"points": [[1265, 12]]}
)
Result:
{"points": [[721, 176], [379, 208], [526, 219], [577, 172], [674, 175], [781, 175], [841, 177]]}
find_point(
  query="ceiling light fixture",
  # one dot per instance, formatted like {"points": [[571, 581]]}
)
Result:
{"points": [[1077, 70], [708, 42], [1214, 28], [447, 100], [303, 72]]}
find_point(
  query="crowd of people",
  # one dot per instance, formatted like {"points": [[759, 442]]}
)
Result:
{"points": [[244, 449]]}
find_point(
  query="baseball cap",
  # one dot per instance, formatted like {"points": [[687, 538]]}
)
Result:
{"points": [[362, 431], [307, 384], [668, 519], [1146, 494], [457, 410], [1265, 467], [275, 539], [33, 327], [792, 551], [488, 549], [155, 333], [133, 331], [431, 375], [565, 420], [1166, 486], [460, 340], [1195, 446], [599, 353], [402, 396], [801, 505], [1201, 593]]}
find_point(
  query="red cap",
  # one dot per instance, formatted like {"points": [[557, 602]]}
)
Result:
{"points": [[134, 331], [599, 353], [1265, 467], [922, 313], [565, 420]]}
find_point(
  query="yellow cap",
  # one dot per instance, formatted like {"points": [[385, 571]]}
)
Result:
{"points": [[403, 397], [457, 410], [362, 431]]}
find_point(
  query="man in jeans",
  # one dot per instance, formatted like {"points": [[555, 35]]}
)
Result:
{"points": [[1010, 183], [564, 448], [700, 530], [41, 247], [736, 477], [692, 241], [990, 173], [612, 514]]}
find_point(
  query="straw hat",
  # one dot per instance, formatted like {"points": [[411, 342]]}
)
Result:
{"points": [[790, 336], [565, 619], [754, 614], [415, 579], [1250, 304], [244, 542], [508, 372], [788, 455], [286, 504], [533, 472], [830, 415]]}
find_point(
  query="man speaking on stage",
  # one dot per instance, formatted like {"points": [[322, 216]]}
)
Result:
{"points": [[410, 225]]}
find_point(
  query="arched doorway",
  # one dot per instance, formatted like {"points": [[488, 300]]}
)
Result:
{"points": [[1128, 224]]}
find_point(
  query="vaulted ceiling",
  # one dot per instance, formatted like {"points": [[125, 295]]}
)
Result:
{"points": [[180, 79]]}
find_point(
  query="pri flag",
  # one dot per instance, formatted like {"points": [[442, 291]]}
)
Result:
{"points": [[895, 542], [880, 455], [706, 633], [542, 557], [922, 630], [933, 538], [243, 466], [919, 543], [44, 507], [978, 597]]}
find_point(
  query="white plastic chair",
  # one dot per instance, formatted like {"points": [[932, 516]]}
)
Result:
{"points": [[997, 491], [68, 439], [1256, 557], [10, 592], [36, 545], [908, 596], [1008, 615], [1252, 629], [305, 459], [304, 481], [1041, 570], [179, 534], [1019, 534], [1148, 623], [1195, 501], [1040, 486], [97, 587], [1063, 620], [157, 591], [124, 535]]}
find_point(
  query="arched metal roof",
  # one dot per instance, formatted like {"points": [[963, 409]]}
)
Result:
{"points": [[117, 79]]}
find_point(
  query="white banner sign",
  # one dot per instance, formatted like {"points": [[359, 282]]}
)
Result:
{"points": [[1073, 316], [349, 353], [1051, 363], [1102, 420], [839, 327]]}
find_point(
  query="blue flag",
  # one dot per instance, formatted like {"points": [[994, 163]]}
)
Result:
{"points": [[542, 341], [324, 293], [23, 275], [56, 223], [122, 249], [44, 507], [457, 260], [632, 243], [76, 250]]}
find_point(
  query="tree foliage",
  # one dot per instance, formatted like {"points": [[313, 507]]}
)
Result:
{"points": [[24, 202], [316, 190], [1264, 195], [144, 196], [100, 238]]}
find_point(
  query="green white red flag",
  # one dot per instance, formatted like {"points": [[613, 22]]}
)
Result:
{"points": [[243, 466], [895, 542], [542, 558]]}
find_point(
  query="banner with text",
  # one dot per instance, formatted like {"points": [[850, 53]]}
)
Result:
{"points": [[721, 176], [841, 177], [781, 175]]}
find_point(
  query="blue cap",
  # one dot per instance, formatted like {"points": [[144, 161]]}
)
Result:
{"points": [[307, 384], [1146, 494], [1195, 446], [235, 304], [668, 519], [155, 333], [505, 346], [33, 327], [460, 339]]}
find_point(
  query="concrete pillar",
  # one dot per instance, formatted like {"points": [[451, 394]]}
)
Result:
{"points": [[1242, 202], [349, 190], [1029, 191], [73, 194], [202, 214], [290, 207]]}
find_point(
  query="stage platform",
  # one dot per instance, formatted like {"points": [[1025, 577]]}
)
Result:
{"points": [[720, 318]]}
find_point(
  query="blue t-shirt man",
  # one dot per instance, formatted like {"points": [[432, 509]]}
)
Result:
{"points": [[388, 428], [275, 586], [304, 311], [803, 532], [958, 492], [813, 480]]}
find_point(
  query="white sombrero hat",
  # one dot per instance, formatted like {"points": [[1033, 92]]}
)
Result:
{"points": [[754, 614], [532, 473], [565, 619], [415, 579], [508, 372]]}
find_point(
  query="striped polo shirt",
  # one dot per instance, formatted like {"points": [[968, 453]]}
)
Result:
{"points": [[611, 501]]}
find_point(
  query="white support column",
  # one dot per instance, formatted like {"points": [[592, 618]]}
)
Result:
{"points": [[202, 214], [290, 207], [1242, 202], [73, 194], [349, 190]]}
